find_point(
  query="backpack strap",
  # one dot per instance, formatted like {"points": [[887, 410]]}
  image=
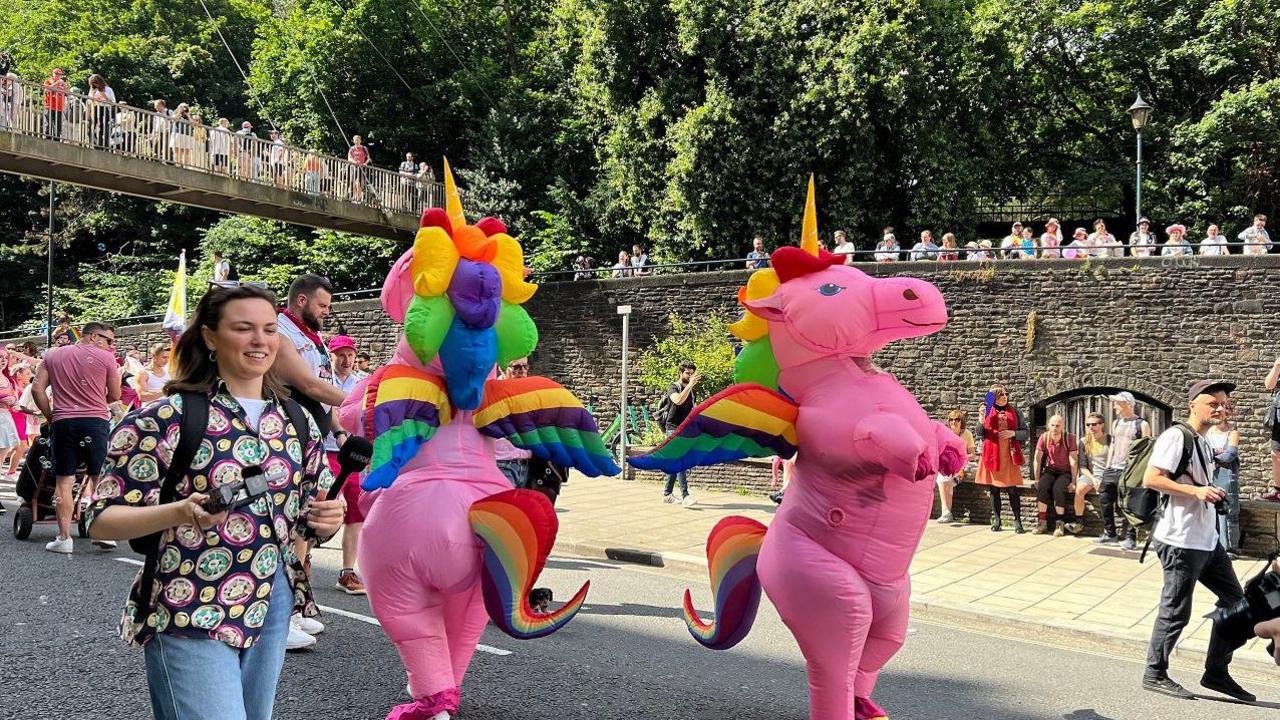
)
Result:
{"points": [[1189, 446], [194, 422], [298, 418]]}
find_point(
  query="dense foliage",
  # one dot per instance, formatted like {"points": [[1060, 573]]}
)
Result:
{"points": [[687, 125]]}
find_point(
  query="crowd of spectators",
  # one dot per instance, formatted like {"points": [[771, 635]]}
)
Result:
{"points": [[95, 116], [1022, 243]]}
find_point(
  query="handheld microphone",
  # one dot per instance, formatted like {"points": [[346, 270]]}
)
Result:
{"points": [[353, 457]]}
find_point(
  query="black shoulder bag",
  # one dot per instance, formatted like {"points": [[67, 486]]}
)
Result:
{"points": [[195, 420]]}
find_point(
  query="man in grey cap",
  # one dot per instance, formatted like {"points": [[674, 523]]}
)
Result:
{"points": [[1126, 427], [1186, 541]]}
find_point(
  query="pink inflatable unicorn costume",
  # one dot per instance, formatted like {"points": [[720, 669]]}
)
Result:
{"points": [[445, 537], [834, 561]]}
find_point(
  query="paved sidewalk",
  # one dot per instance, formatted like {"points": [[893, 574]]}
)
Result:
{"points": [[961, 573]]}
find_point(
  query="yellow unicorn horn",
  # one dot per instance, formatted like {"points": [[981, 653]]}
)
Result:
{"points": [[809, 228], [453, 203]]}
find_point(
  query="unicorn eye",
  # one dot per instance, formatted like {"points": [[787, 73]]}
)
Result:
{"points": [[830, 289]]}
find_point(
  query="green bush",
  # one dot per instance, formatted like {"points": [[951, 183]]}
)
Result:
{"points": [[704, 341]]}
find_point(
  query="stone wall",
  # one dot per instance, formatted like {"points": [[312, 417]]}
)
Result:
{"points": [[1043, 328]]}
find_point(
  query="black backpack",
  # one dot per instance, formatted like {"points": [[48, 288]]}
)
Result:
{"points": [[231, 271], [195, 420]]}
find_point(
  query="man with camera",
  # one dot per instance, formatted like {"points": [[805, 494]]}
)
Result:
{"points": [[676, 405], [1186, 541]]}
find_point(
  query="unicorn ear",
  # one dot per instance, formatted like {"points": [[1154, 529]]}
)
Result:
{"points": [[769, 308]]}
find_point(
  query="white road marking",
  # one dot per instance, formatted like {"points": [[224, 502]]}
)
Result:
{"points": [[357, 616], [584, 561], [374, 621]]}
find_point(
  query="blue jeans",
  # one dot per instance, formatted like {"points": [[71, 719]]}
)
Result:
{"points": [[683, 477], [1229, 525], [194, 678]]}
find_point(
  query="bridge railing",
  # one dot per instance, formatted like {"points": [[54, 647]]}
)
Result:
{"points": [[28, 108]]}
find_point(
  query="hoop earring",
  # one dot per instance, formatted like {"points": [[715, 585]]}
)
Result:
{"points": [[213, 356]]}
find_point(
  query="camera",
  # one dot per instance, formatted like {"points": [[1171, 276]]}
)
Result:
{"points": [[1221, 507], [1261, 602], [253, 484]]}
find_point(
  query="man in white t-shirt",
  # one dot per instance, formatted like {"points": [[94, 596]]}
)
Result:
{"points": [[1186, 541], [844, 247]]}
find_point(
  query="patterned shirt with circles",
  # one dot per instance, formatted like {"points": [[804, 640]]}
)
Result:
{"points": [[215, 583]]}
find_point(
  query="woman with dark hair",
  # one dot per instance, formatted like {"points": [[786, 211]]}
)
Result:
{"points": [[1003, 432], [214, 629]]}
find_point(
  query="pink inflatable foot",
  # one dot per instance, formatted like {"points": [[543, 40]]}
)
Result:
{"points": [[432, 707], [866, 709]]}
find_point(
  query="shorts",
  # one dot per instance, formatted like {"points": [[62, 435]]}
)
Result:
{"points": [[76, 440], [350, 491], [968, 473], [1090, 482]]}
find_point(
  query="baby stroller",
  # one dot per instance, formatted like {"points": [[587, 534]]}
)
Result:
{"points": [[36, 485]]}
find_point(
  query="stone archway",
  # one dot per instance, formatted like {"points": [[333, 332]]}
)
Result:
{"points": [[1076, 403]]}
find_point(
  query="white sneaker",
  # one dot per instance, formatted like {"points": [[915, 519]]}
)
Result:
{"points": [[442, 715], [105, 544], [668, 498], [310, 626], [61, 545], [297, 639], [688, 501]]}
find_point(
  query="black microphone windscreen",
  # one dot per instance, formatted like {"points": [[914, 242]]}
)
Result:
{"points": [[355, 454]]}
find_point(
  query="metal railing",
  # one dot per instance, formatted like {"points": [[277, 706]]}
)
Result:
{"points": [[876, 255], [1189, 258], [28, 108]]}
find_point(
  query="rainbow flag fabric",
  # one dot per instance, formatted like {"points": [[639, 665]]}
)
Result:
{"points": [[745, 420], [404, 407], [541, 416], [517, 529]]}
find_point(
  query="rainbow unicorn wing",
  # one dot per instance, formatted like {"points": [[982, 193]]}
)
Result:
{"points": [[403, 408], [541, 416], [517, 529], [732, 549], [740, 421]]}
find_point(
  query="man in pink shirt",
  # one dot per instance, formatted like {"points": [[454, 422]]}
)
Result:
{"points": [[84, 380]]}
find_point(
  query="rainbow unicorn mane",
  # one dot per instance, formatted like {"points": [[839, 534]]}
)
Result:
{"points": [[732, 549], [517, 529], [468, 287]]}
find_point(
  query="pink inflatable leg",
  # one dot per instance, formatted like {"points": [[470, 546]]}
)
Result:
{"points": [[828, 608], [890, 611], [421, 638], [465, 618]]}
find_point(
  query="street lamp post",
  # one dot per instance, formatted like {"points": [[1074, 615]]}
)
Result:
{"points": [[1140, 113], [48, 334]]}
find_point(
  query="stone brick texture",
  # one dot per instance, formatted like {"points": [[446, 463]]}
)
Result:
{"points": [[1146, 325]]}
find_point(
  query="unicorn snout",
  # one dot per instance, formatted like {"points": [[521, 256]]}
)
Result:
{"points": [[911, 306]]}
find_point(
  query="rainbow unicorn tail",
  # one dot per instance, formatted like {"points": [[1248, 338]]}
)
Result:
{"points": [[732, 549], [517, 529]]}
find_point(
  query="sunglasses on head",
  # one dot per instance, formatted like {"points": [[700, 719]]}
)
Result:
{"points": [[232, 284]]}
